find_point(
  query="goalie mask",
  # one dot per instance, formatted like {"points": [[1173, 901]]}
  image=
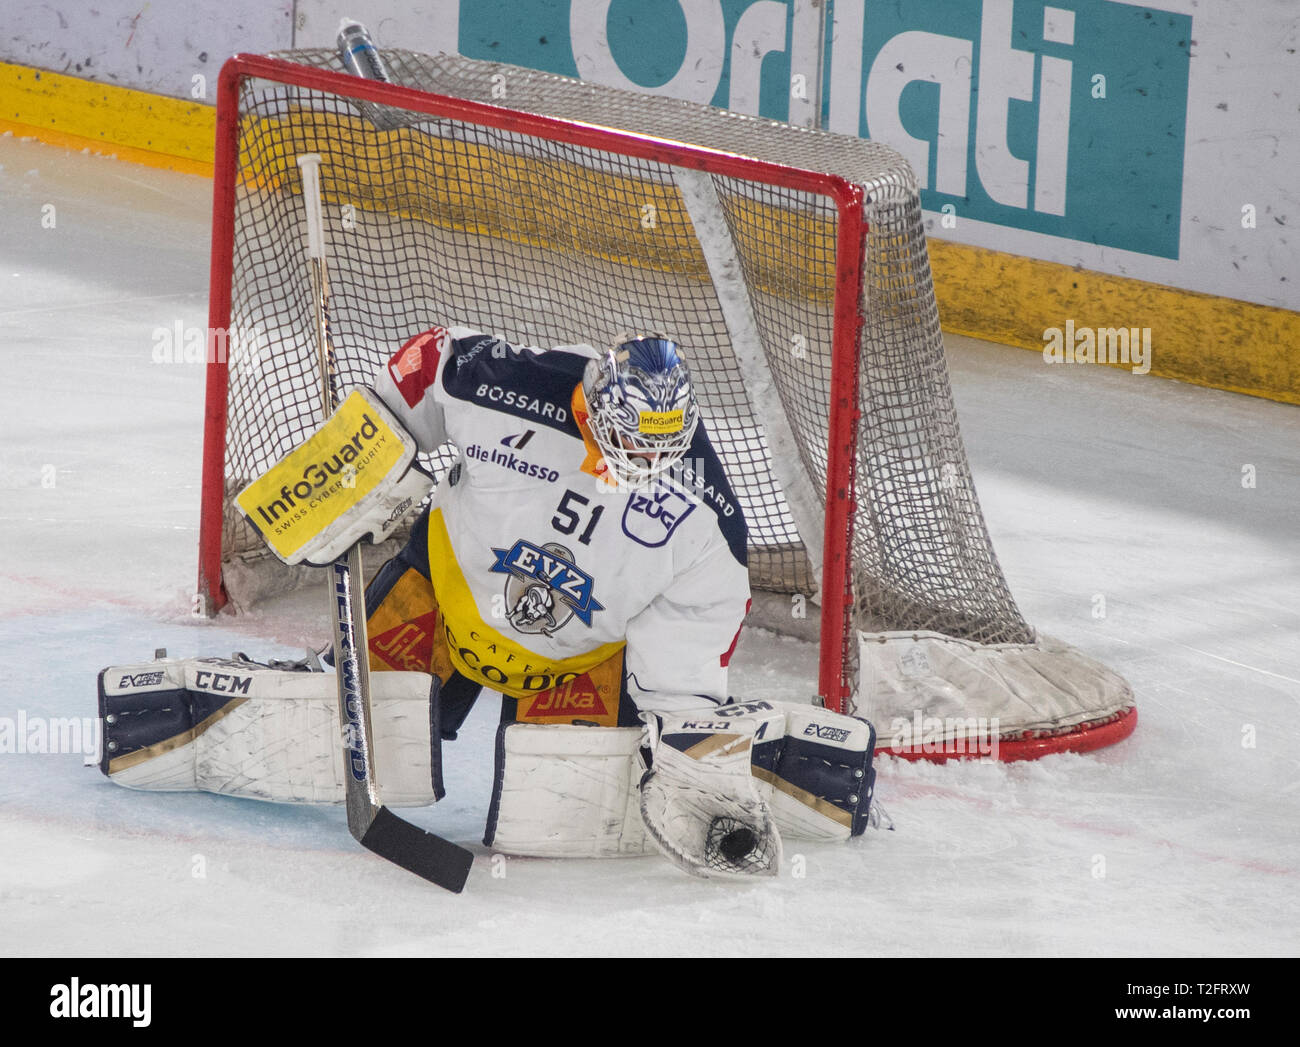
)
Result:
{"points": [[643, 411]]}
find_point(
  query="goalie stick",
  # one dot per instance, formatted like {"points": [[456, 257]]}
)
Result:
{"points": [[373, 825]]}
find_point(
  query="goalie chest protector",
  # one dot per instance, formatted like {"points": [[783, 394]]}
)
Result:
{"points": [[539, 563]]}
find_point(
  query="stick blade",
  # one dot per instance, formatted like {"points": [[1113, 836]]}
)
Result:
{"points": [[437, 860]]}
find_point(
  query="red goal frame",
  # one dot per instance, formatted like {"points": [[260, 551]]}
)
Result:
{"points": [[850, 256]]}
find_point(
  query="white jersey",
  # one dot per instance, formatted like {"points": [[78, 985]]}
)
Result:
{"points": [[541, 566]]}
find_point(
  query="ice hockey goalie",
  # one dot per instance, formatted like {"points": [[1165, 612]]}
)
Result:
{"points": [[585, 558]]}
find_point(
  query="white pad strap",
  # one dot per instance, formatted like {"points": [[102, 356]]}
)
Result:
{"points": [[243, 729], [567, 791]]}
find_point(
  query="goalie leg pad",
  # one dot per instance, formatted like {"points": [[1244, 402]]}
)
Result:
{"points": [[702, 806], [243, 729], [567, 791], [571, 791]]}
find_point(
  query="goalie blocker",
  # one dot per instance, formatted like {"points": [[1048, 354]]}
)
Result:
{"points": [[349, 480]]}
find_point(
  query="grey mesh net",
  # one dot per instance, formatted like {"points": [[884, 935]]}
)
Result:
{"points": [[438, 221]]}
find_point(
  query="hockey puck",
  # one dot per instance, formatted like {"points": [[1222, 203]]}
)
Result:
{"points": [[738, 844]]}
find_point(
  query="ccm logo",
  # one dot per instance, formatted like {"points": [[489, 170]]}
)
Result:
{"points": [[830, 734], [705, 725], [225, 683]]}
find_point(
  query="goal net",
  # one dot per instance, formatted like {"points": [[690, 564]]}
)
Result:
{"points": [[792, 266]]}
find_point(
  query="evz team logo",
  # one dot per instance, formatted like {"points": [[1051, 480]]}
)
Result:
{"points": [[651, 516], [545, 588]]}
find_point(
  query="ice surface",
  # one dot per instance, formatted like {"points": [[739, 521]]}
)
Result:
{"points": [[1103, 492]]}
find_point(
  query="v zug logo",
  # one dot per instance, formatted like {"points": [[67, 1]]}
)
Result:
{"points": [[651, 516]]}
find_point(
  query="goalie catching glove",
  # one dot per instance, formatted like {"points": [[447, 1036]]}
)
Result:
{"points": [[700, 803], [349, 480]]}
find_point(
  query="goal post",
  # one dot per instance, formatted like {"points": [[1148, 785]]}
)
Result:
{"points": [[790, 263]]}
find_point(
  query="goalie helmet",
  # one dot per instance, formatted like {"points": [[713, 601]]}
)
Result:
{"points": [[642, 407]]}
